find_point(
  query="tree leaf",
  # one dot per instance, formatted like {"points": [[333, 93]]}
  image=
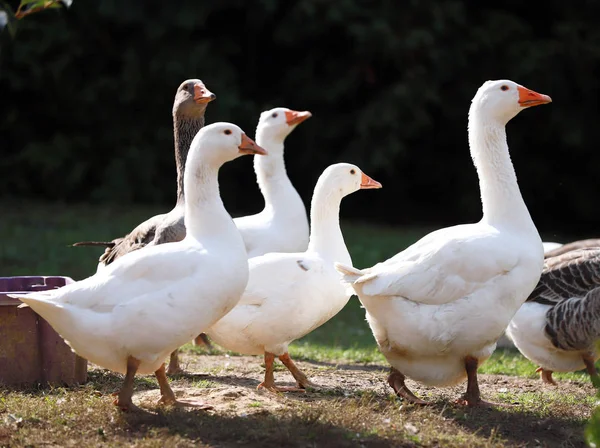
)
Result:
{"points": [[31, 6], [28, 2]]}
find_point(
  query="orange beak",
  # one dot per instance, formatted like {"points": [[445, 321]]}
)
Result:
{"points": [[366, 182], [202, 95], [293, 117], [528, 98], [249, 146]]}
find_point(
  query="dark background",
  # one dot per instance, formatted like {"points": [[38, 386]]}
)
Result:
{"points": [[86, 97]]}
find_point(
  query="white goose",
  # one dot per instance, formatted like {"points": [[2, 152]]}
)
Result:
{"points": [[437, 308], [559, 323], [282, 226], [290, 294], [131, 315]]}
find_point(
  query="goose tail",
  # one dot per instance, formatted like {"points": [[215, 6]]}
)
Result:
{"points": [[349, 275], [94, 243], [43, 305]]}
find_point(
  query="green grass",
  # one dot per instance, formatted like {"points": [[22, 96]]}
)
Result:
{"points": [[36, 240], [510, 362]]}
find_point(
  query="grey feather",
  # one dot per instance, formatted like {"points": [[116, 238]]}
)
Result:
{"points": [[579, 244], [572, 274], [570, 284], [574, 324]]}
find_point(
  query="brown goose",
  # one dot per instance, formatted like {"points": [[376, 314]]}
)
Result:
{"points": [[559, 323], [191, 100], [579, 244], [189, 107]]}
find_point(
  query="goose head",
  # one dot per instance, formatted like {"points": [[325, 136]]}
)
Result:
{"points": [[221, 142], [345, 178], [191, 98], [277, 123], [504, 99]]}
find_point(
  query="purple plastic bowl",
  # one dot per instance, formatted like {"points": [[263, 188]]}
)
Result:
{"points": [[31, 352]]}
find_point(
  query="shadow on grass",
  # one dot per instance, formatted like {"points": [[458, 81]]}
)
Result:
{"points": [[518, 426], [100, 381], [292, 428], [260, 429], [304, 426]]}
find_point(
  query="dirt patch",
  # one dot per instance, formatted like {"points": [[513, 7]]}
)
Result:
{"points": [[539, 415]]}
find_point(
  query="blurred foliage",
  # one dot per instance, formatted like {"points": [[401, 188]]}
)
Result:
{"points": [[87, 96], [8, 17]]}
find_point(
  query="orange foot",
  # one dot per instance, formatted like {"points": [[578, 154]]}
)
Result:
{"points": [[546, 376], [396, 382], [126, 405]]}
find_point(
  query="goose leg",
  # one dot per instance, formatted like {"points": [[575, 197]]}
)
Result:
{"points": [[269, 381], [202, 339], [174, 368], [396, 381], [590, 366], [167, 396], [546, 376], [473, 397], [301, 379], [123, 400]]}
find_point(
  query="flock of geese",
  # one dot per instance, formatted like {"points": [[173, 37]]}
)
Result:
{"points": [[255, 284]]}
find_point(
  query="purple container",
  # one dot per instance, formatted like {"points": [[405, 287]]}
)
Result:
{"points": [[31, 352]]}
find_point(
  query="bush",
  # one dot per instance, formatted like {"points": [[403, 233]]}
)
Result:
{"points": [[87, 97]]}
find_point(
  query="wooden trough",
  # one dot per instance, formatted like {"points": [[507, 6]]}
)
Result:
{"points": [[31, 352]]}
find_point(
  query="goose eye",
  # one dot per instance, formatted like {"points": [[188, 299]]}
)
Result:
{"points": [[227, 132], [274, 115], [504, 88], [352, 171]]}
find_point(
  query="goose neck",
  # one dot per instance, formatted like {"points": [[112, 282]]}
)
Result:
{"points": [[500, 195], [326, 236], [271, 174], [185, 128], [205, 216]]}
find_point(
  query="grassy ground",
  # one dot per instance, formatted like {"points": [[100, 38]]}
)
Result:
{"points": [[352, 407], [36, 238]]}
